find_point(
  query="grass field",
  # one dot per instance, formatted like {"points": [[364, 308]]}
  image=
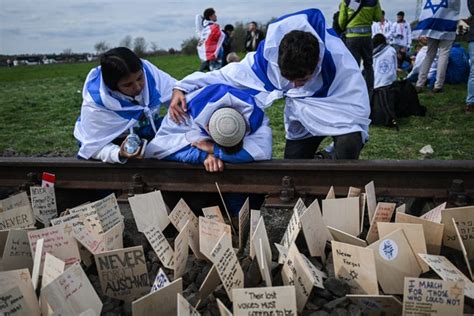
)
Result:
{"points": [[39, 105]]}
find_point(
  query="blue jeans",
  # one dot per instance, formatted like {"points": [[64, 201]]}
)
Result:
{"points": [[470, 82]]}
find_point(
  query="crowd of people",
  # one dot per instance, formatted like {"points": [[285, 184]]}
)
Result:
{"points": [[219, 116]]}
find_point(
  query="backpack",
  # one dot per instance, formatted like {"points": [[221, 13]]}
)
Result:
{"points": [[335, 20], [389, 103]]}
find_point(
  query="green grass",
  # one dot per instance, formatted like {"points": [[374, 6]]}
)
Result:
{"points": [[39, 105]]}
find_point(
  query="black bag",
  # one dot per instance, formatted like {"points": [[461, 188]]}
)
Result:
{"points": [[406, 100], [392, 102], [382, 107], [340, 30]]}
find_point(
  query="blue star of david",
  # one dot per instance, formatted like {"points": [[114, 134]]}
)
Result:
{"points": [[435, 7]]}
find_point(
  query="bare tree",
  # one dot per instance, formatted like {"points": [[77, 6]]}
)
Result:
{"points": [[101, 47], [139, 46], [126, 42], [153, 46]]}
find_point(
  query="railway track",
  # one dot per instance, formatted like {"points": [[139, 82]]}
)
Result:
{"points": [[282, 180]]}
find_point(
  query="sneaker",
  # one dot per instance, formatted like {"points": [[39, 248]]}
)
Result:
{"points": [[437, 90]]}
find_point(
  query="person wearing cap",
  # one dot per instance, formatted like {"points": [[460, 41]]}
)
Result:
{"points": [[308, 65], [224, 125]]}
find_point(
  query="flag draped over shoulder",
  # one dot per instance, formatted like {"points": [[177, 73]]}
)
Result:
{"points": [[438, 19], [172, 137], [210, 41], [104, 116]]}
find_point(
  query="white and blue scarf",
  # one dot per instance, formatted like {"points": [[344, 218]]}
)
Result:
{"points": [[172, 137], [438, 19], [105, 115]]}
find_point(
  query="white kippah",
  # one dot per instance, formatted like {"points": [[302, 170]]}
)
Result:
{"points": [[227, 127]]}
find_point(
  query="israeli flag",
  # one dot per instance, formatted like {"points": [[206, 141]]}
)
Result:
{"points": [[438, 19], [172, 137]]}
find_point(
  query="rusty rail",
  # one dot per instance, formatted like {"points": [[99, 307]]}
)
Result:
{"points": [[407, 178]]}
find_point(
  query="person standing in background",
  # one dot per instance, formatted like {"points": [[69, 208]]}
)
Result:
{"points": [[227, 44], [470, 39], [401, 33], [356, 17], [438, 22], [254, 37], [210, 40], [383, 27]]}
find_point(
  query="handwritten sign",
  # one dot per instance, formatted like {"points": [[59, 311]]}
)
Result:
{"points": [[53, 268], [161, 280], [15, 201], [401, 209], [263, 251], [292, 231], [72, 292], [433, 231], [394, 260], [353, 192], [108, 211], [371, 199], [356, 266], [179, 216], [346, 238], [17, 251], [377, 304], [464, 217], [315, 231], [448, 272], [383, 213], [149, 209], [184, 308], [278, 300], [181, 251], [37, 264], [313, 273], [209, 233], [244, 224], [20, 217], [58, 240], [214, 213], [160, 245], [463, 248], [161, 302], [43, 202], [414, 234], [362, 203], [96, 243], [224, 258], [433, 297], [123, 273], [13, 302], [294, 273], [20, 279], [435, 214], [343, 214], [331, 194], [254, 218]]}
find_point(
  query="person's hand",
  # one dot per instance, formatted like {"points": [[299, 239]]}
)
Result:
{"points": [[124, 154], [213, 164], [204, 145], [178, 107]]}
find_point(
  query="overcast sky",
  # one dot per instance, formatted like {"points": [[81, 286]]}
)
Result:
{"points": [[48, 26]]}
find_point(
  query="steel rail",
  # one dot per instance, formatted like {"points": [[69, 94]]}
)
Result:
{"points": [[407, 178]]}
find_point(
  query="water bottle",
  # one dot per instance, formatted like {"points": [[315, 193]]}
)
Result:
{"points": [[132, 143]]}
